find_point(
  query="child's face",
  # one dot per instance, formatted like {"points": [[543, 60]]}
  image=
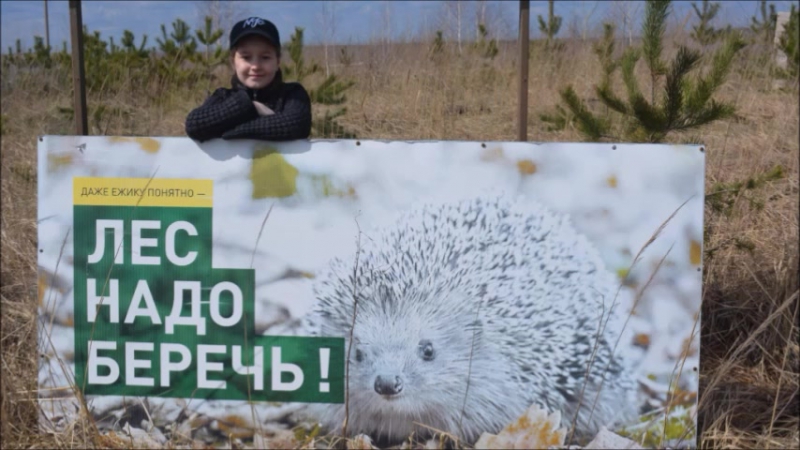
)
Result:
{"points": [[255, 62]]}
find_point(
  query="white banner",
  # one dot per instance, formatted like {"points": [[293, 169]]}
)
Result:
{"points": [[486, 278]]}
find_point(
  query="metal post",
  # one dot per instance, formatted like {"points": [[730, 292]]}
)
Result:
{"points": [[524, 38], [78, 78], [46, 26]]}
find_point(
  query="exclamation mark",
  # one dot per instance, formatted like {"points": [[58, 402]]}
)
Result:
{"points": [[324, 356]]}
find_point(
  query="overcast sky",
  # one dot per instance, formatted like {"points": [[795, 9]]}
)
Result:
{"points": [[353, 21]]}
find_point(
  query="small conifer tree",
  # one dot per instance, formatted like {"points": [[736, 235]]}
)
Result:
{"points": [[676, 101], [436, 49], [330, 92], [129, 44], [483, 46], [176, 48], [704, 33], [788, 44], [41, 52], [345, 58], [764, 28], [209, 37], [179, 43], [552, 26], [97, 68], [210, 59]]}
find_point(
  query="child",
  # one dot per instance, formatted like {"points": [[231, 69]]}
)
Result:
{"points": [[259, 104]]}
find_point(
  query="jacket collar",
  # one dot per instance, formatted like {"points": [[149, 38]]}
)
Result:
{"points": [[259, 94]]}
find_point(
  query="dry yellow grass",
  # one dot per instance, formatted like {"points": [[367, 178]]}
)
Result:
{"points": [[750, 356]]}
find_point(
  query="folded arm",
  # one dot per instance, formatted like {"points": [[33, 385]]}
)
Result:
{"points": [[221, 111], [290, 123]]}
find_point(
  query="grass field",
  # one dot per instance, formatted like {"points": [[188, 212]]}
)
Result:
{"points": [[750, 371]]}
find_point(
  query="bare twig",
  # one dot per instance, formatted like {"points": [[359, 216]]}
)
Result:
{"points": [[352, 328], [596, 346], [261, 230]]}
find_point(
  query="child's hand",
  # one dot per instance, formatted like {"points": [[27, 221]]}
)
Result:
{"points": [[263, 110]]}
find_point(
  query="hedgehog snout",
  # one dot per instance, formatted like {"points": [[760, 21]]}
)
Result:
{"points": [[388, 385]]}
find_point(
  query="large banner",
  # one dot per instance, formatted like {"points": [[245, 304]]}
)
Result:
{"points": [[265, 292]]}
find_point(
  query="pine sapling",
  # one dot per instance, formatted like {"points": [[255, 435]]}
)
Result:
{"points": [[552, 26], [788, 44], [41, 53], [655, 23], [676, 101], [209, 37], [592, 127], [486, 48], [704, 33], [128, 42], [330, 92], [345, 58], [177, 47], [436, 49], [764, 28]]}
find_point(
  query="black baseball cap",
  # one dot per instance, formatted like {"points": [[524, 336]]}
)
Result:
{"points": [[255, 26]]}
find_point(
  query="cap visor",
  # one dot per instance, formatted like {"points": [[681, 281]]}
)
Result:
{"points": [[249, 33]]}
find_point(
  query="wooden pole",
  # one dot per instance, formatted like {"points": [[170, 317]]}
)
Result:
{"points": [[524, 38], [46, 26], [78, 78]]}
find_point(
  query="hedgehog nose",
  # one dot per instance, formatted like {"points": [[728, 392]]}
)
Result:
{"points": [[388, 385]]}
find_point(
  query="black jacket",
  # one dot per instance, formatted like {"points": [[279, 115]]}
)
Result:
{"points": [[230, 113]]}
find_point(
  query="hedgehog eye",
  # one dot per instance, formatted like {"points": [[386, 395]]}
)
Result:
{"points": [[426, 350], [359, 355]]}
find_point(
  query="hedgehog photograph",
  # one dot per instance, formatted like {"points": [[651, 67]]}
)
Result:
{"points": [[466, 314]]}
